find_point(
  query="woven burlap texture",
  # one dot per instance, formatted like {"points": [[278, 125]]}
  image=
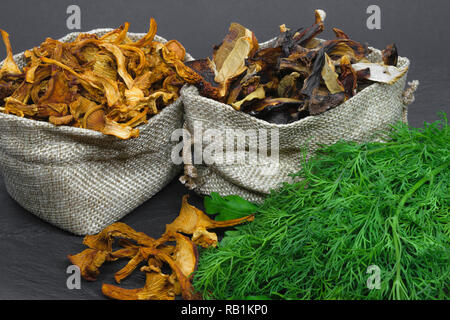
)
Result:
{"points": [[360, 118], [82, 180]]}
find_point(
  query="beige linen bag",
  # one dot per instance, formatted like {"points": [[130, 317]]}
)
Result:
{"points": [[359, 119], [82, 180]]}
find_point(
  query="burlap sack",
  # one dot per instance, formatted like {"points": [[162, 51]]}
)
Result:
{"points": [[82, 180], [360, 118]]}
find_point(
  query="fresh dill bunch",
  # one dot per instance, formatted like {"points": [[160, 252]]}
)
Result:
{"points": [[355, 206]]}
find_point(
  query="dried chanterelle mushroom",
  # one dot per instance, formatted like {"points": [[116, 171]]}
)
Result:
{"points": [[105, 83], [195, 222], [298, 76], [139, 248]]}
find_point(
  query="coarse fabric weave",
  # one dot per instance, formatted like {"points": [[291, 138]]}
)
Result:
{"points": [[361, 118], [82, 180]]}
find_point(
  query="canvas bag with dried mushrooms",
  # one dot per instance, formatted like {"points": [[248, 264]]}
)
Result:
{"points": [[85, 164], [307, 90]]}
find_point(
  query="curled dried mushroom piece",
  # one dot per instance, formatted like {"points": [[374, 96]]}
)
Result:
{"points": [[319, 75], [108, 84], [173, 249], [195, 222]]}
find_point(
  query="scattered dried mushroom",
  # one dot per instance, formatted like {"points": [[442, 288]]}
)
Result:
{"points": [[139, 248], [297, 77], [108, 84]]}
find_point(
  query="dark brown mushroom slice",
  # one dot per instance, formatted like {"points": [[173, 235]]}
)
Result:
{"points": [[265, 63], [348, 77], [390, 55], [319, 103], [299, 62], [288, 40], [279, 110], [205, 69], [285, 41], [335, 49], [267, 57], [339, 47], [307, 34], [205, 82], [258, 94], [315, 77], [240, 88]]}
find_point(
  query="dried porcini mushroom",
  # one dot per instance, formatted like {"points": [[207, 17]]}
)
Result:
{"points": [[229, 62], [104, 83], [172, 249], [318, 75], [390, 55], [279, 110]]}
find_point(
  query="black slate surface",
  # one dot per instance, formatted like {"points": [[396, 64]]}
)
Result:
{"points": [[33, 253], [33, 262]]}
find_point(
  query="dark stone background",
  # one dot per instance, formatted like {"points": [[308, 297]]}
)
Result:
{"points": [[33, 253]]}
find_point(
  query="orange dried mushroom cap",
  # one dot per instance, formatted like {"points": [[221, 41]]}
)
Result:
{"points": [[192, 220]]}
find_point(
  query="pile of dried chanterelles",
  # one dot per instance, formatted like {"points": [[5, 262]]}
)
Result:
{"points": [[140, 248], [298, 76], [109, 84]]}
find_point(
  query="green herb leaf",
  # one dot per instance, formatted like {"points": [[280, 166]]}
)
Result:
{"points": [[228, 207]]}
